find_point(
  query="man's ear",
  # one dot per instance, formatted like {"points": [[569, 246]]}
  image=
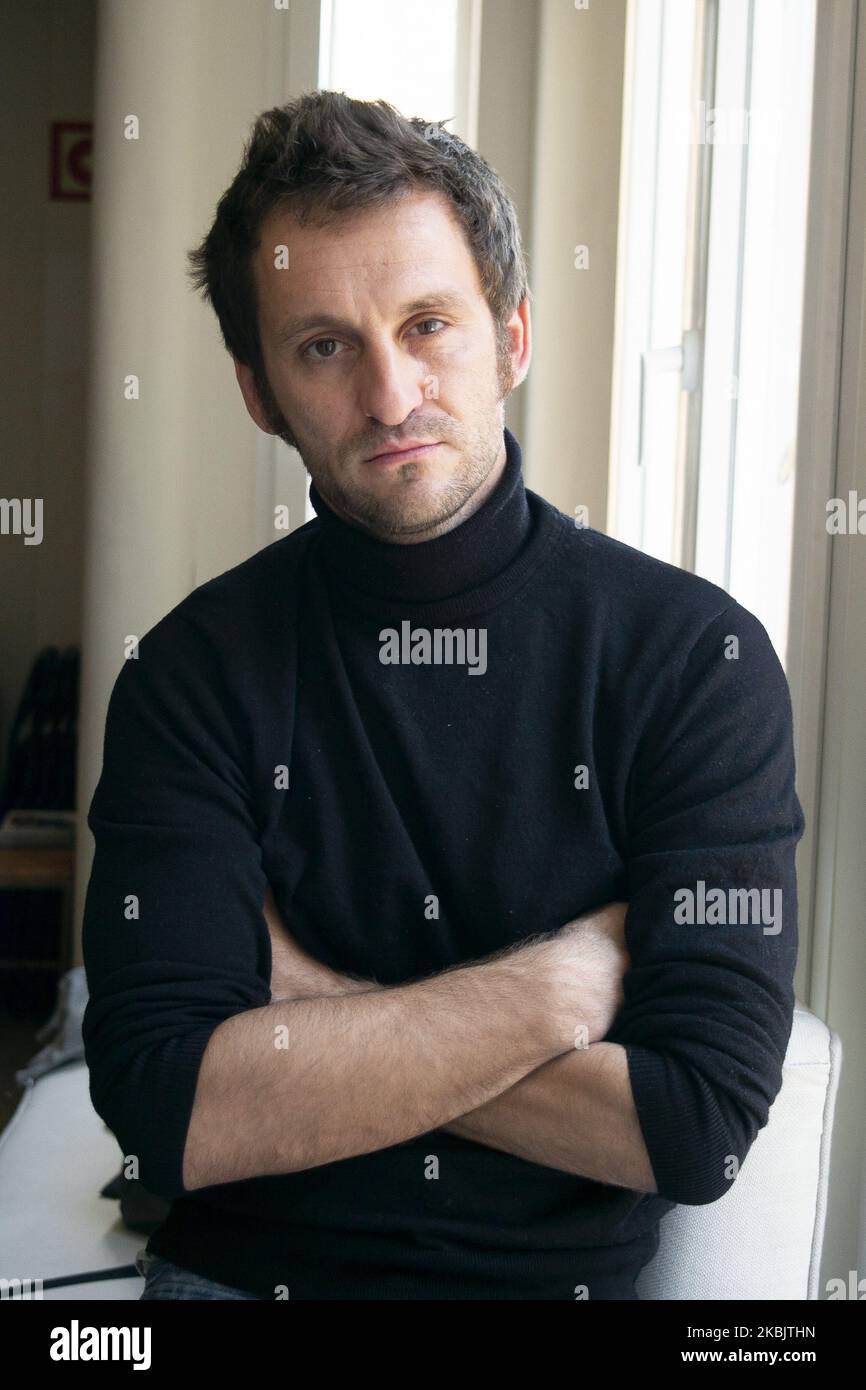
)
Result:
{"points": [[520, 330], [252, 400]]}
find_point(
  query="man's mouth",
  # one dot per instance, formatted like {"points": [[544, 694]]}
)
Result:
{"points": [[400, 454]]}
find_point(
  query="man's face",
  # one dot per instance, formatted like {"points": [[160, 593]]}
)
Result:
{"points": [[377, 333]]}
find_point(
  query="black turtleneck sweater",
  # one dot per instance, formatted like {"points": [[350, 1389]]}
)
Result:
{"points": [[415, 778]]}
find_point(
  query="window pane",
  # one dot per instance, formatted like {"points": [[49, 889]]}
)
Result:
{"points": [[655, 252], [402, 50], [773, 269], [738, 430], [754, 315]]}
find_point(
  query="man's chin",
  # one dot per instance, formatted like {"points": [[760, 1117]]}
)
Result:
{"points": [[401, 520], [392, 525]]}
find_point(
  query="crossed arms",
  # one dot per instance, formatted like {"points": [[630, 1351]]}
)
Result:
{"points": [[506, 1052]]}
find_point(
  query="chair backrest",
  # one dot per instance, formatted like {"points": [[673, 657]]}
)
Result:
{"points": [[763, 1239]]}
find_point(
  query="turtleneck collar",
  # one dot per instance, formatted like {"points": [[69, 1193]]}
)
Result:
{"points": [[470, 565]]}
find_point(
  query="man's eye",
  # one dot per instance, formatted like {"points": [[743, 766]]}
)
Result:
{"points": [[308, 350]]}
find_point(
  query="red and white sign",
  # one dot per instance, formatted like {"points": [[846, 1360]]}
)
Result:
{"points": [[71, 153]]}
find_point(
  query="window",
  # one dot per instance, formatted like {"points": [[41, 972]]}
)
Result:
{"points": [[710, 290], [404, 51]]}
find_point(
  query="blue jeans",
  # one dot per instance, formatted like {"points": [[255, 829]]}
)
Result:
{"points": [[162, 1279]]}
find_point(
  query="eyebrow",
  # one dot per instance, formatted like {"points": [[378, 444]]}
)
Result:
{"points": [[446, 300]]}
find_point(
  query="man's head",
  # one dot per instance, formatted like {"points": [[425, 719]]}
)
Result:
{"points": [[369, 279]]}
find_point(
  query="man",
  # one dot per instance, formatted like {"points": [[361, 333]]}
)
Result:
{"points": [[362, 1004]]}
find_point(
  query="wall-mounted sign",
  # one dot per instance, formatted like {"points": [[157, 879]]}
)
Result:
{"points": [[71, 152]]}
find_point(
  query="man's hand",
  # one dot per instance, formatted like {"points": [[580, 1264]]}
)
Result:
{"points": [[294, 973], [577, 1112]]}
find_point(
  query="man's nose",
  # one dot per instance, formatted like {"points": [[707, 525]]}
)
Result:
{"points": [[390, 382]]}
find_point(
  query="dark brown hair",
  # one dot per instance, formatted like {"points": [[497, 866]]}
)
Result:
{"points": [[325, 154]]}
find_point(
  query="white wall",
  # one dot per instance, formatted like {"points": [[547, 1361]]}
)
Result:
{"points": [[576, 157], [506, 122]]}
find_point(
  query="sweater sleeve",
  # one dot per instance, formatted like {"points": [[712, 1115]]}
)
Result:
{"points": [[174, 937], [708, 996]]}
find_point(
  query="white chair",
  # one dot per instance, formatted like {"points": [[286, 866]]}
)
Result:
{"points": [[763, 1239], [55, 1156]]}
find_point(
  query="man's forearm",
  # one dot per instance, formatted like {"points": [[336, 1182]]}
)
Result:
{"points": [[575, 1113], [302, 1082]]}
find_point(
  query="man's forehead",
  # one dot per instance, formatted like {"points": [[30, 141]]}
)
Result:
{"points": [[387, 238]]}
